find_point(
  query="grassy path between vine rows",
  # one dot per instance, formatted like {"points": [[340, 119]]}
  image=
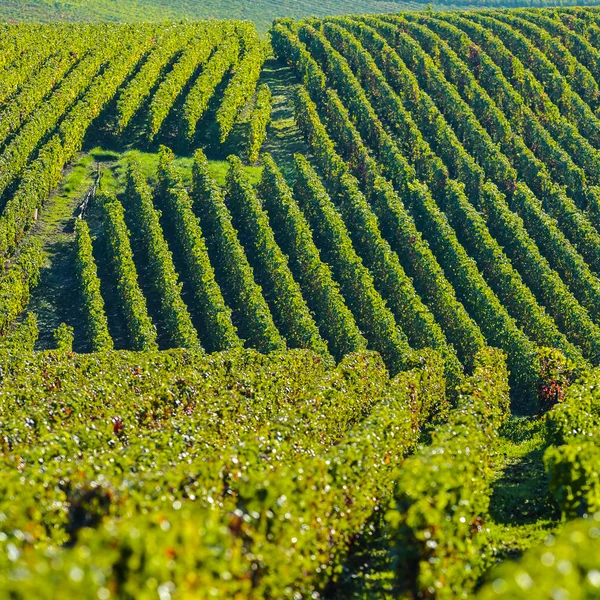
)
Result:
{"points": [[283, 137], [521, 515], [522, 512], [55, 299]]}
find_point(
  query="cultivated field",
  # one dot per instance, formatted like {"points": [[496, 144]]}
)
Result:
{"points": [[307, 315]]}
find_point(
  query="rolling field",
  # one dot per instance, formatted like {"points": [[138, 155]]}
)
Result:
{"points": [[261, 12], [312, 315]]}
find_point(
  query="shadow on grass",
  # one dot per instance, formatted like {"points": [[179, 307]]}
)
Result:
{"points": [[283, 137]]}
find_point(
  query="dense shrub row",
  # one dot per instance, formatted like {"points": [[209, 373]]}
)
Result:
{"points": [[273, 497], [400, 229], [34, 90], [443, 490], [475, 293], [259, 121], [562, 255], [567, 562], [17, 282], [234, 274], [192, 58], [295, 237], [136, 92], [141, 330], [158, 260], [572, 458], [242, 85], [374, 318], [282, 292], [199, 96], [218, 331], [470, 225], [96, 324]]}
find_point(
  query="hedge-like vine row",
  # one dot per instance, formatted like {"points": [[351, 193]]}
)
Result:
{"points": [[17, 283], [524, 83], [31, 94], [199, 96], [572, 221], [240, 483], [234, 274], [374, 318], [193, 56], [18, 152], [153, 247], [242, 85], [27, 61], [571, 460], [443, 491], [548, 80], [466, 221], [483, 304], [168, 45], [218, 332], [322, 292], [581, 331], [580, 79], [141, 330], [563, 256], [403, 235], [282, 292], [96, 325], [579, 47], [259, 121]]}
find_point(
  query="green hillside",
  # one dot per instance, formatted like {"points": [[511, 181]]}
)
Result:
{"points": [[262, 12], [307, 315]]}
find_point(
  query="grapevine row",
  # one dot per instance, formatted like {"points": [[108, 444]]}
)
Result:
{"points": [[459, 268], [259, 121], [160, 268], [142, 332], [282, 292], [241, 86], [446, 143], [218, 331], [235, 276], [93, 304]]}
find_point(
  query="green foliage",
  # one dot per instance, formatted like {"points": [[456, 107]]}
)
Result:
{"points": [[445, 200], [153, 246], [218, 332], [17, 282], [141, 330], [572, 459], [63, 336], [135, 93], [233, 272], [93, 304], [281, 290], [259, 120], [313, 441], [242, 85], [203, 89], [323, 294], [371, 314], [195, 54], [22, 336], [567, 562], [443, 490]]}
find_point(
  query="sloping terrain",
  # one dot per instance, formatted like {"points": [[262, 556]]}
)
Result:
{"points": [[313, 317]]}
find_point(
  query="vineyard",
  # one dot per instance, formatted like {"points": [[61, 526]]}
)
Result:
{"points": [[308, 316]]}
